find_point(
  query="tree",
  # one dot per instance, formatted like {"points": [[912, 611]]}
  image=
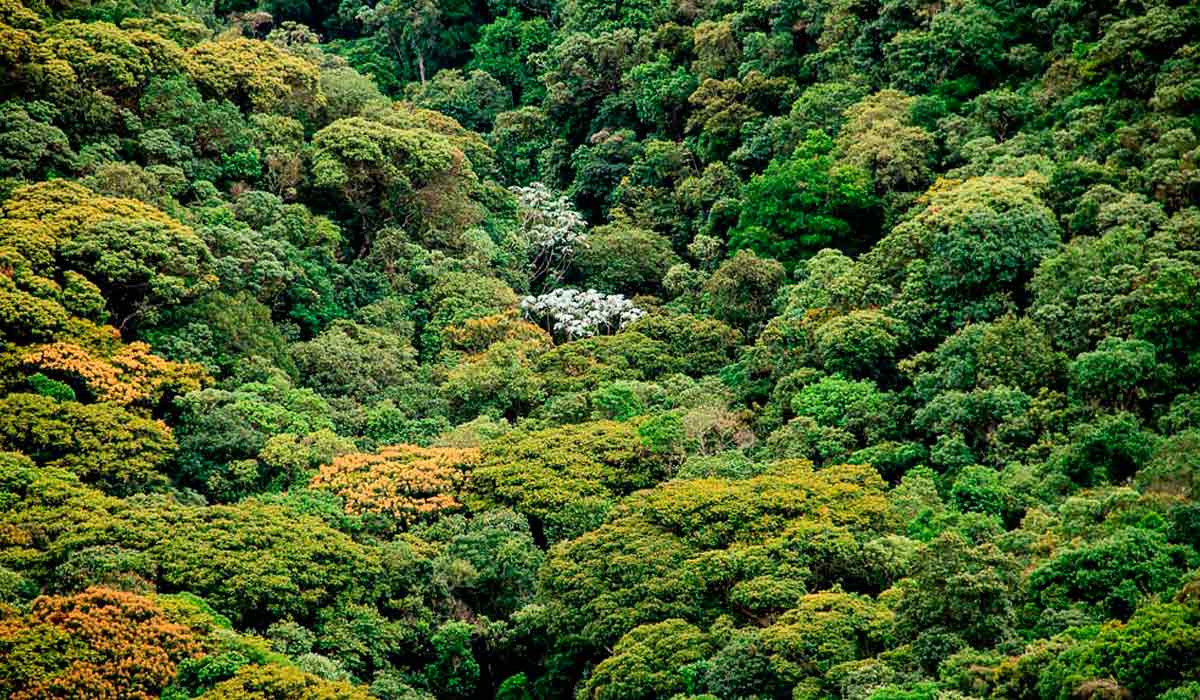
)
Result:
{"points": [[504, 51], [223, 434], [742, 290], [256, 563], [402, 482], [276, 682], [454, 670], [520, 137], [1111, 447], [1151, 652], [958, 590], [104, 65], [1114, 574], [823, 630], [495, 556], [625, 260], [381, 170], [803, 204], [670, 548], [878, 137], [566, 479], [255, 75], [131, 377], [648, 662], [104, 444], [978, 489], [140, 258], [98, 643], [474, 98], [855, 406], [550, 229], [1115, 373], [456, 297], [1011, 351], [580, 72], [859, 344], [30, 145], [967, 255], [407, 26], [571, 313], [662, 95], [599, 167], [499, 380], [702, 345], [349, 359]]}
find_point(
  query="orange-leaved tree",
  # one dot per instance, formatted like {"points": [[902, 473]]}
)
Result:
{"points": [[405, 482], [100, 644]]}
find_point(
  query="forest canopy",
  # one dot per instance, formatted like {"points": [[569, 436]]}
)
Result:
{"points": [[586, 350]]}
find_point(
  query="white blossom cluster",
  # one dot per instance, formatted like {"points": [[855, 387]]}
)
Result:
{"points": [[551, 226], [577, 314]]}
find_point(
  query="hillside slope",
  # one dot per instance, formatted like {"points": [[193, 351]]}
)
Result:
{"points": [[734, 349]]}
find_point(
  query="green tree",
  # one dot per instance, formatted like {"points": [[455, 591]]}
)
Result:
{"points": [[958, 594], [1115, 574], [625, 260], [474, 98], [648, 662], [742, 290], [803, 204]]}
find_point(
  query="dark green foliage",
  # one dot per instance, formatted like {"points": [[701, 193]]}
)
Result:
{"points": [[1115, 574]]}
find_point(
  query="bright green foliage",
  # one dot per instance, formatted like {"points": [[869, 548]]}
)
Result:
{"points": [[801, 205], [255, 563], [856, 406], [473, 99], [504, 50], [967, 253], [255, 75], [978, 489], [223, 434], [103, 444], [1152, 652], [138, 257], [379, 170], [659, 556], [648, 662], [1114, 372], [565, 479], [281, 683], [454, 670], [859, 344]]}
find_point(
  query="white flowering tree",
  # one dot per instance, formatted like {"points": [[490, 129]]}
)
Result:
{"points": [[551, 228], [572, 313]]}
